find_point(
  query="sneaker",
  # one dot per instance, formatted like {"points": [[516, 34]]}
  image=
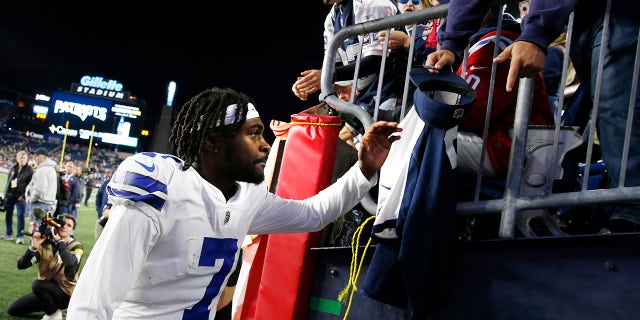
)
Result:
{"points": [[605, 231], [6, 237], [55, 316], [19, 240]]}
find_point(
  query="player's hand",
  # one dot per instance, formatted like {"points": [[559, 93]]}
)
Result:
{"points": [[439, 59], [375, 145], [527, 59]]}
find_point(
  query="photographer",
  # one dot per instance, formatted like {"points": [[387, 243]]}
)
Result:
{"points": [[58, 257]]}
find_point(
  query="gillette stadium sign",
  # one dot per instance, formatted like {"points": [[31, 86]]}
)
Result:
{"points": [[99, 86]]}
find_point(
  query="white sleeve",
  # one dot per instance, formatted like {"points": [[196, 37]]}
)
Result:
{"points": [[113, 264], [313, 214], [328, 28], [372, 10]]}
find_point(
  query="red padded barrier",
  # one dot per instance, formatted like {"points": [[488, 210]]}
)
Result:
{"points": [[284, 283]]}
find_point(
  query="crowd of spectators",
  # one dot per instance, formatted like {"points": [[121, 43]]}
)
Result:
{"points": [[101, 159]]}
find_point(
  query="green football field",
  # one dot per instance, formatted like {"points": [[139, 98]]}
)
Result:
{"points": [[16, 283]]}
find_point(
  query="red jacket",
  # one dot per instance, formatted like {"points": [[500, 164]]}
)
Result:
{"points": [[478, 75]]}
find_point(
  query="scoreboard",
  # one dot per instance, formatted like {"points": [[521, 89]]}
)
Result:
{"points": [[99, 114], [82, 117]]}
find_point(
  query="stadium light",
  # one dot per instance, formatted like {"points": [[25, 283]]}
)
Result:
{"points": [[171, 91]]}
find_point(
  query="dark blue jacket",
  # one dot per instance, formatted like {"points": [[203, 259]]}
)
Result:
{"points": [[102, 197], [75, 189], [545, 21]]}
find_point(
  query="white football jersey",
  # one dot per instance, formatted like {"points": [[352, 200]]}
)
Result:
{"points": [[362, 11], [172, 239]]}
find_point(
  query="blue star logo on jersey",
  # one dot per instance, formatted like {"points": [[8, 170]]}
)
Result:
{"points": [[146, 167]]}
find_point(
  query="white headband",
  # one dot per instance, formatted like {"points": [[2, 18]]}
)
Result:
{"points": [[230, 116]]}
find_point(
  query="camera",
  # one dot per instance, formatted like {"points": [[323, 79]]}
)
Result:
{"points": [[46, 222]]}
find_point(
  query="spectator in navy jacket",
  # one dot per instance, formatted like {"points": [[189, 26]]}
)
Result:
{"points": [[102, 197], [75, 189], [102, 203], [546, 20]]}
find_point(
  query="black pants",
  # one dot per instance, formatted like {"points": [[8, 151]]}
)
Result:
{"points": [[45, 296], [87, 194]]}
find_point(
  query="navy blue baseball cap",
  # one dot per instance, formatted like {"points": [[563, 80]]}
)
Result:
{"points": [[441, 100], [42, 151]]}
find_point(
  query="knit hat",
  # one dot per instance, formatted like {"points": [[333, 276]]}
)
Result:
{"points": [[441, 100]]}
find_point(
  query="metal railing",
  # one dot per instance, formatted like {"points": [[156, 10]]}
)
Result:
{"points": [[513, 203]]}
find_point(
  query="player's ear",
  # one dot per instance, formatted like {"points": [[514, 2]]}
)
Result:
{"points": [[209, 146]]}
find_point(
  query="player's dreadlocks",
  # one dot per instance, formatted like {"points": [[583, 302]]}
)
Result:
{"points": [[204, 116]]}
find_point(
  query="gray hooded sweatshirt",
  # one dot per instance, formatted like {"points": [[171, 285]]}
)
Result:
{"points": [[43, 185]]}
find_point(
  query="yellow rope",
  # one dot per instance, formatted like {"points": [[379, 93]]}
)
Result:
{"points": [[355, 267], [318, 124]]}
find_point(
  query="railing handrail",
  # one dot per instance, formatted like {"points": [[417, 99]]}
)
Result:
{"points": [[328, 66], [514, 199]]}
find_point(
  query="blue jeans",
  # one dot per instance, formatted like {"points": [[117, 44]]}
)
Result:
{"points": [[613, 106], [21, 209], [73, 210]]}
